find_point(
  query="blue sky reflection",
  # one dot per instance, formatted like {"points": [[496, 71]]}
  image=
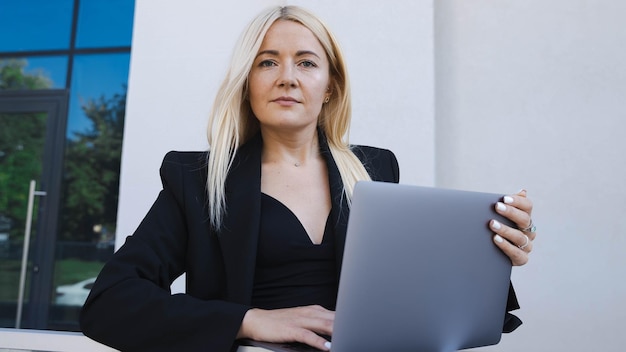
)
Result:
{"points": [[52, 67], [35, 24], [94, 76]]}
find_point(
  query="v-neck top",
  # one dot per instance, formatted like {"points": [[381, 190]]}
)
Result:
{"points": [[290, 269]]}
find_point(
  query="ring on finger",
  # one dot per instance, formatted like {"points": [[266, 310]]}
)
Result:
{"points": [[525, 243], [530, 228]]}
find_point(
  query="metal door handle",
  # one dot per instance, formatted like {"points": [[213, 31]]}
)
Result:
{"points": [[27, 228]]}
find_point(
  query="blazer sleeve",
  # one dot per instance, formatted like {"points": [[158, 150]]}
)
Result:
{"points": [[511, 322], [131, 307], [381, 164]]}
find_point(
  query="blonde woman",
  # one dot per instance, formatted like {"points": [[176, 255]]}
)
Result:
{"points": [[258, 223]]}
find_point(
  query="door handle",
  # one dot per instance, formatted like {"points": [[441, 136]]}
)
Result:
{"points": [[27, 229]]}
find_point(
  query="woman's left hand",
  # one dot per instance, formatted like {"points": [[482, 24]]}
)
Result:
{"points": [[516, 243]]}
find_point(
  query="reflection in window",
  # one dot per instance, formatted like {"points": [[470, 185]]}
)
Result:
{"points": [[95, 77], [53, 67], [41, 72], [95, 130], [22, 138], [35, 24], [36, 53], [22, 141], [105, 23], [14, 76]]}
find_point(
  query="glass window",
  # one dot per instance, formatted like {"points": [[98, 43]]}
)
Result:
{"points": [[95, 76], [36, 55], [22, 139], [105, 23], [91, 181], [35, 24], [52, 67], [41, 72]]}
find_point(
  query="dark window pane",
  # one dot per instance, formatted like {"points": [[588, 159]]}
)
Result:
{"points": [[22, 140], [35, 24], [103, 23]]}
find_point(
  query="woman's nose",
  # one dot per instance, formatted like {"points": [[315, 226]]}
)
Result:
{"points": [[287, 76]]}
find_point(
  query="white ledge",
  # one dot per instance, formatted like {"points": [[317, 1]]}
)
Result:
{"points": [[48, 341]]}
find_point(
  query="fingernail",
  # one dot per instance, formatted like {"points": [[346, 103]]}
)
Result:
{"points": [[496, 225], [498, 238], [500, 206], [327, 344], [508, 199], [521, 190]]}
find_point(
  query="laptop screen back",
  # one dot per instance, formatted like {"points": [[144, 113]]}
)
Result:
{"points": [[420, 271]]}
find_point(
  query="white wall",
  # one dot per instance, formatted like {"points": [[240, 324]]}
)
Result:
{"points": [[533, 94], [483, 94], [179, 58]]}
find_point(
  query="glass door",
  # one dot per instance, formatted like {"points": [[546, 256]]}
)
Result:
{"points": [[32, 127]]}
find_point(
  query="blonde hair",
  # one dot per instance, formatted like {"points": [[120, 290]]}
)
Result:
{"points": [[232, 122]]}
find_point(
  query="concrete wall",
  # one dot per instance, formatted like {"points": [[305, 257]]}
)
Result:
{"points": [[533, 94], [483, 95]]}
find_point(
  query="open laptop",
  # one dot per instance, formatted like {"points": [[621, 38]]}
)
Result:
{"points": [[420, 272]]}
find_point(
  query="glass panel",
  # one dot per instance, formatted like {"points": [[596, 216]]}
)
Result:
{"points": [[95, 77], [33, 73], [91, 181], [35, 24], [22, 139], [103, 23]]}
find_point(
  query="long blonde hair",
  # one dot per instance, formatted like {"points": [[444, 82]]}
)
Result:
{"points": [[232, 122]]}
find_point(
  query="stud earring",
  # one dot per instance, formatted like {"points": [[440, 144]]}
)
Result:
{"points": [[326, 100]]}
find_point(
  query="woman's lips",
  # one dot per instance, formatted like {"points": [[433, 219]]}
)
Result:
{"points": [[285, 101]]}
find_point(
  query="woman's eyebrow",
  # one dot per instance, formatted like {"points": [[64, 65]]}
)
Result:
{"points": [[306, 52], [276, 53], [268, 52]]}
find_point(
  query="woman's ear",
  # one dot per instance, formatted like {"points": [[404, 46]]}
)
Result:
{"points": [[328, 94]]}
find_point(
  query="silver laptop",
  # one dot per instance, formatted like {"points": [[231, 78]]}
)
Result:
{"points": [[420, 272]]}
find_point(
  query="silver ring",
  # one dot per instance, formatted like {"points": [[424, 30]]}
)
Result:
{"points": [[525, 243], [530, 228]]}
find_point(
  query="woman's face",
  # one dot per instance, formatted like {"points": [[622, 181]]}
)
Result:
{"points": [[289, 79]]}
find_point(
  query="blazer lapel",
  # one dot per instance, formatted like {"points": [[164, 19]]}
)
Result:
{"points": [[339, 212], [239, 234]]}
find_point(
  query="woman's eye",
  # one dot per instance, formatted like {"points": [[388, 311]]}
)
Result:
{"points": [[266, 63], [308, 64]]}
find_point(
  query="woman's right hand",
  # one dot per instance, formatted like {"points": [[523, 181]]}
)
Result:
{"points": [[299, 324]]}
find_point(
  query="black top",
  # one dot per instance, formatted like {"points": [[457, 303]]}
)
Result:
{"points": [[290, 269]]}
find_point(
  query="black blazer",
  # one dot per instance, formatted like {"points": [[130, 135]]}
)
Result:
{"points": [[130, 306]]}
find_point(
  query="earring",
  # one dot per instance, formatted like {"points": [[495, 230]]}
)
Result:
{"points": [[326, 100]]}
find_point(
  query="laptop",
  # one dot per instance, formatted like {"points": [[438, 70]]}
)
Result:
{"points": [[420, 272]]}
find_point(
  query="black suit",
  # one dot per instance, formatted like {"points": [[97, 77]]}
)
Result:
{"points": [[130, 307]]}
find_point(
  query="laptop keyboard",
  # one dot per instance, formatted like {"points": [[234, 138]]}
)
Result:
{"points": [[300, 347]]}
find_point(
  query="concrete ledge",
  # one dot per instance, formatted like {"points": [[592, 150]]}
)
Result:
{"points": [[48, 341]]}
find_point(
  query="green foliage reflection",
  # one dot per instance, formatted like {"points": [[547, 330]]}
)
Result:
{"points": [[22, 137], [92, 166], [13, 77]]}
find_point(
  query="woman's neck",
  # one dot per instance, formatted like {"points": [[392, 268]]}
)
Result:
{"points": [[295, 149]]}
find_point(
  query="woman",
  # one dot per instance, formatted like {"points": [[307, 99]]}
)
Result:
{"points": [[258, 223]]}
